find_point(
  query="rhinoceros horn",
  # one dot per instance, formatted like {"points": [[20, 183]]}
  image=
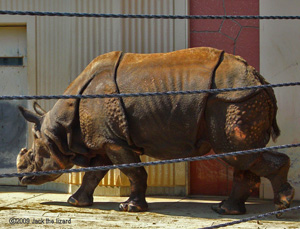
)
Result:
{"points": [[30, 116]]}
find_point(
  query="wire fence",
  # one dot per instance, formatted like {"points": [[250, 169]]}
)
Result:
{"points": [[119, 95], [146, 16], [253, 218], [140, 164], [210, 91]]}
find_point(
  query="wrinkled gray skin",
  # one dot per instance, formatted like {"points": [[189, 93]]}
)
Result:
{"points": [[94, 132]]}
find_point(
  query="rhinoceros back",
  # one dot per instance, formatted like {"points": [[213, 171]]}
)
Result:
{"points": [[160, 126], [166, 125]]}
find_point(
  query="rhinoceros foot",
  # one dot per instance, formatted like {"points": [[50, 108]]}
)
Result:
{"points": [[82, 202], [227, 207], [133, 206], [284, 198]]}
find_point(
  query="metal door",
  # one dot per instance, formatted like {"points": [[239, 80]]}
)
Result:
{"points": [[211, 177], [13, 81]]}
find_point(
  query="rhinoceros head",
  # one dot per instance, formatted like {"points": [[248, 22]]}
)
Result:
{"points": [[44, 155]]}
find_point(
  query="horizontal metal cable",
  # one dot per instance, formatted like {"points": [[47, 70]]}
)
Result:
{"points": [[253, 217], [140, 164], [147, 16], [143, 94]]}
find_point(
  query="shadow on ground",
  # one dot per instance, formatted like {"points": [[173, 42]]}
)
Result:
{"points": [[189, 209], [194, 207]]}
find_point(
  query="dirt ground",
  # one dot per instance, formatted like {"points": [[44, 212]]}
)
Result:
{"points": [[22, 208]]}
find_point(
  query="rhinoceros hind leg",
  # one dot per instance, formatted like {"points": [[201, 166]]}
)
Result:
{"points": [[84, 195], [244, 182], [227, 207], [284, 198], [275, 166], [247, 125], [137, 177]]}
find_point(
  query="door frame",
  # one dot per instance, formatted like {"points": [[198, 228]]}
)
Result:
{"points": [[30, 24]]}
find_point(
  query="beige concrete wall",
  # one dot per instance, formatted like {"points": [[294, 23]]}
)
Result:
{"points": [[279, 63], [64, 46]]}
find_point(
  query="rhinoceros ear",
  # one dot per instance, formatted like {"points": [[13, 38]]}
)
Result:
{"points": [[38, 109], [30, 116]]}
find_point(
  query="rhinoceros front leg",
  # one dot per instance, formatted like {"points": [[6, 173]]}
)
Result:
{"points": [[137, 177], [84, 195]]}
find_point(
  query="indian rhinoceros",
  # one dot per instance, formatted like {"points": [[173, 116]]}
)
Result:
{"points": [[95, 132]]}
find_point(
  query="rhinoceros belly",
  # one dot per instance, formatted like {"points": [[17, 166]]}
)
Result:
{"points": [[166, 126]]}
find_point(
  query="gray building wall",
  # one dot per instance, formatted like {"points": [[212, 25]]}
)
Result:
{"points": [[279, 63]]}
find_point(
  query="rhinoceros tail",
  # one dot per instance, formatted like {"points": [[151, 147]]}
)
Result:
{"points": [[275, 131]]}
